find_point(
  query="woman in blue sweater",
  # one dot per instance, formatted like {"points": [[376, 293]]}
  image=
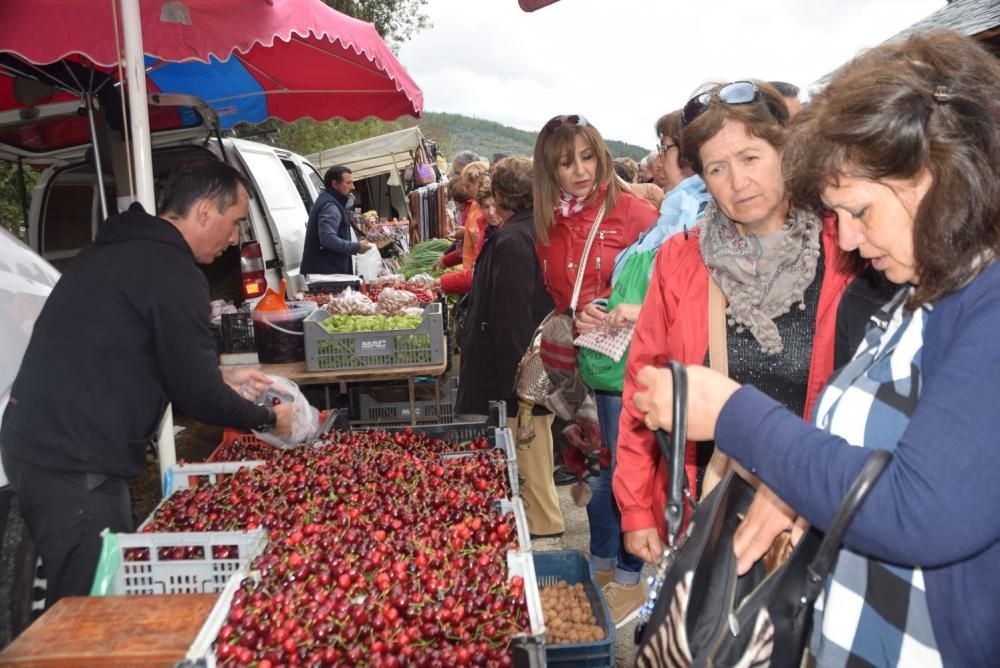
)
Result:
{"points": [[904, 145]]}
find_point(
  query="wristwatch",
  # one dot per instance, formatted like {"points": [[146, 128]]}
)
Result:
{"points": [[268, 424]]}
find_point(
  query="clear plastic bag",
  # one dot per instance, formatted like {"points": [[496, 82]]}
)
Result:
{"points": [[392, 301], [305, 418]]}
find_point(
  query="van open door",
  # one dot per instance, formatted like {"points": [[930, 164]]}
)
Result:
{"points": [[283, 206]]}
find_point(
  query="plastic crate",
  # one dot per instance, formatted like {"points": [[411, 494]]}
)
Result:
{"points": [[237, 333], [201, 653], [463, 432], [528, 649], [572, 567], [185, 476], [501, 439], [423, 345], [216, 556], [375, 413]]}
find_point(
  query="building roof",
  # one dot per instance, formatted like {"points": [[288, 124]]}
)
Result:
{"points": [[969, 17]]}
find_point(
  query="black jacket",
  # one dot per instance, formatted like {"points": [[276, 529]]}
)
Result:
{"points": [[862, 299], [125, 330], [508, 301]]}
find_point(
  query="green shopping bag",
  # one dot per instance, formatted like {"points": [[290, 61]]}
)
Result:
{"points": [[597, 370]]}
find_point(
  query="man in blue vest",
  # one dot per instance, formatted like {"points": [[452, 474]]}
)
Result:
{"points": [[328, 247]]}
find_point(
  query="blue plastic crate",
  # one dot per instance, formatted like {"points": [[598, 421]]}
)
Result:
{"points": [[572, 567]]}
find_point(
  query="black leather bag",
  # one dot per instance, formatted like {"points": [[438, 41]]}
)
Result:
{"points": [[705, 614]]}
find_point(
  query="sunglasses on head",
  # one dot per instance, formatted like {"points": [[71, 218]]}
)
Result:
{"points": [[560, 121], [737, 92]]}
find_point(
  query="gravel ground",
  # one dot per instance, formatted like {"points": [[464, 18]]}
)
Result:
{"points": [[577, 537]]}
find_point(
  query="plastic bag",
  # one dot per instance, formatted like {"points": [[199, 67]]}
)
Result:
{"points": [[351, 302], [107, 565], [392, 301], [305, 418], [421, 281]]}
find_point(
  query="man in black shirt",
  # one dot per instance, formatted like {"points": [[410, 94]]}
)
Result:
{"points": [[124, 332]]}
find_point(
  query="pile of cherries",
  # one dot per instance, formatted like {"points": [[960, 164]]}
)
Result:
{"points": [[380, 553]]}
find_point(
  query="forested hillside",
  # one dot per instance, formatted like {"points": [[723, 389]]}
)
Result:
{"points": [[455, 132]]}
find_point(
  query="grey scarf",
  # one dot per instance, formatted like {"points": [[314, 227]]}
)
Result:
{"points": [[761, 276]]}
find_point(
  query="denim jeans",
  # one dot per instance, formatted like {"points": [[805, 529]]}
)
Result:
{"points": [[606, 547]]}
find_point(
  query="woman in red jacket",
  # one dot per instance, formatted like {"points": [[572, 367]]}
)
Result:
{"points": [[778, 267], [574, 179]]}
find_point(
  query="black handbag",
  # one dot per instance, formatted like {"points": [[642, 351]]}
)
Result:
{"points": [[707, 615]]}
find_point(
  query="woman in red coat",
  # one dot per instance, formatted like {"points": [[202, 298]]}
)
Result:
{"points": [[779, 269], [574, 180]]}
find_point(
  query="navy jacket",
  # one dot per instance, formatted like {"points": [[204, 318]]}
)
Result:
{"points": [[125, 330], [328, 247], [936, 504]]}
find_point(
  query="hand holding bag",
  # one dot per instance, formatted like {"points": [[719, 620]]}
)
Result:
{"points": [[551, 356], [705, 613]]}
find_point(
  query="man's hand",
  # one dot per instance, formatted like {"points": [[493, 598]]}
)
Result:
{"points": [[283, 425], [438, 264], [363, 246], [767, 517], [644, 543], [591, 317], [246, 382]]}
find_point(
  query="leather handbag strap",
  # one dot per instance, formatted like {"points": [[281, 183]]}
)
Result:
{"points": [[821, 564], [672, 449], [718, 346], [718, 358], [582, 267]]}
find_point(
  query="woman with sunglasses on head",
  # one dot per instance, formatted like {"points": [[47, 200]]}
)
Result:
{"points": [[904, 146], [777, 265], [574, 182]]}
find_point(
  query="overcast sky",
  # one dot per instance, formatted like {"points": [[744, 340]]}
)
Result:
{"points": [[623, 63]]}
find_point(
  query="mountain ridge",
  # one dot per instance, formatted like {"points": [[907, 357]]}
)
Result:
{"points": [[457, 132]]}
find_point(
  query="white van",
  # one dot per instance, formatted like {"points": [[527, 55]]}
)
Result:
{"points": [[66, 209]]}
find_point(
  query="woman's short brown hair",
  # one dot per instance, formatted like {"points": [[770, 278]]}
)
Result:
{"points": [[766, 119], [931, 102], [512, 183], [485, 191], [557, 138]]}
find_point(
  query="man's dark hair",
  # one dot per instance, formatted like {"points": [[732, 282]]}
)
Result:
{"points": [[786, 89], [201, 179], [335, 173], [622, 171]]}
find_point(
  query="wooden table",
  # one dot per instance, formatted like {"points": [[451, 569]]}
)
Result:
{"points": [[296, 371], [112, 631]]}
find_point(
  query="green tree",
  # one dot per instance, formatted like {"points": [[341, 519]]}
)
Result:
{"points": [[395, 20], [11, 214]]}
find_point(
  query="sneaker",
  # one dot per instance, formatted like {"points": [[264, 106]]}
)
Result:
{"points": [[604, 577], [624, 601]]}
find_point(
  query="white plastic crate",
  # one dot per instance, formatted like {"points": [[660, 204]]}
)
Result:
{"points": [[201, 653], [531, 644], [516, 506], [185, 476], [212, 555], [210, 558], [503, 439]]}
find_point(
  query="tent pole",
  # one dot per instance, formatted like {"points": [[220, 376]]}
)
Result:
{"points": [[88, 100], [142, 161]]}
